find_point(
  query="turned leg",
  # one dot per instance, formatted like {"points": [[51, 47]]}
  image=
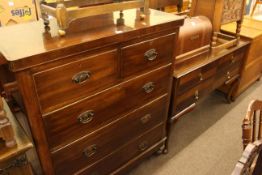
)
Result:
{"points": [[62, 17], [214, 39], [6, 130], [231, 93], [238, 30], [170, 123]]}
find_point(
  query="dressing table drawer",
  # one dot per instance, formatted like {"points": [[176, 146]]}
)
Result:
{"points": [[196, 77]]}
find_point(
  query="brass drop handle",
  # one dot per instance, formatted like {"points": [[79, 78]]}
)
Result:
{"points": [[149, 87], [146, 118], [81, 77], [90, 151], [143, 146], [201, 78], [86, 117], [196, 95], [151, 55], [228, 75]]}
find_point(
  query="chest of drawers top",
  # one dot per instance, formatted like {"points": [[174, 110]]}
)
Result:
{"points": [[30, 45]]}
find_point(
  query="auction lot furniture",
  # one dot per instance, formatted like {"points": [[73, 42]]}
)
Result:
{"points": [[13, 160], [196, 77], [252, 71], [97, 100]]}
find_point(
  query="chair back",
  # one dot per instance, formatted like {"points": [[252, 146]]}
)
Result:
{"points": [[251, 161], [252, 123]]}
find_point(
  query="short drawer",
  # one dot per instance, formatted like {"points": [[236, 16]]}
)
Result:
{"points": [[192, 79], [147, 55], [126, 153], [62, 85], [227, 76], [73, 122], [107, 140], [231, 60], [191, 96]]}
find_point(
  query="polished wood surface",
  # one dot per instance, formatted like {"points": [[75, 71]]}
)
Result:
{"points": [[200, 74], [194, 34], [52, 47], [252, 71], [81, 91], [139, 57], [63, 125], [51, 91]]}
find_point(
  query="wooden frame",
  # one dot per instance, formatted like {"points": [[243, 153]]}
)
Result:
{"points": [[219, 12], [64, 13], [250, 122], [251, 160]]}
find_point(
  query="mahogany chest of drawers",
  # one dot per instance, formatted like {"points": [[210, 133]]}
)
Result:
{"points": [[97, 100]]}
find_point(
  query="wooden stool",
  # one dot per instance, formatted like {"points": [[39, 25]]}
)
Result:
{"points": [[13, 160], [255, 6]]}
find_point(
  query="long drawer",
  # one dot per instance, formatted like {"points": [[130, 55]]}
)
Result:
{"points": [[192, 79], [190, 97], [64, 84], [73, 122], [125, 153], [107, 140], [147, 55]]}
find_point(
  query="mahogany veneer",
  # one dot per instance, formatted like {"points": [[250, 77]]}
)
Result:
{"points": [[97, 99]]}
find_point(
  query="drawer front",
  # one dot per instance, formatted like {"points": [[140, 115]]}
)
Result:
{"points": [[107, 140], [192, 96], [68, 83], [231, 60], [125, 153], [194, 78], [147, 55], [70, 123], [225, 76]]}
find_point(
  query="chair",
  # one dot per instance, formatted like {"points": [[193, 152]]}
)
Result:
{"points": [[255, 6], [251, 161], [252, 123]]}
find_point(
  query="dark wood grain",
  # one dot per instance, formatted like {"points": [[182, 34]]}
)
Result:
{"points": [[130, 128], [122, 156], [48, 47], [135, 61], [113, 93], [63, 126], [52, 84]]}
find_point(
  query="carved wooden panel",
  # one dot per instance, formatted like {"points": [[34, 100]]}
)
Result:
{"points": [[232, 11]]}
